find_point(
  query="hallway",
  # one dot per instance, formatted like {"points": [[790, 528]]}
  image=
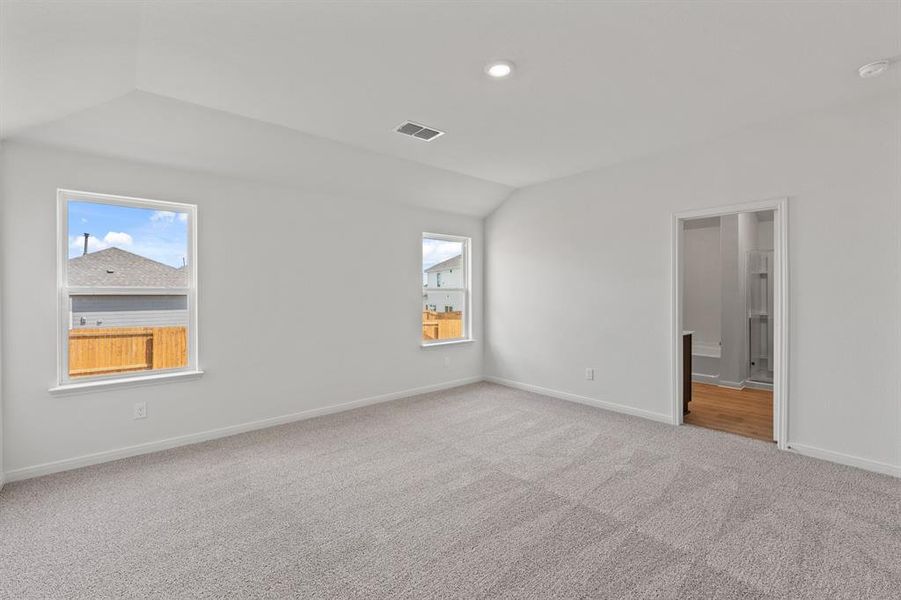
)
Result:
{"points": [[746, 412]]}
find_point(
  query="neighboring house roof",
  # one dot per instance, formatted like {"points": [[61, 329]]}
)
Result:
{"points": [[451, 263], [115, 267]]}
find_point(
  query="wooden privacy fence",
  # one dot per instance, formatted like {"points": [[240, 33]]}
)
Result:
{"points": [[102, 351], [441, 325]]}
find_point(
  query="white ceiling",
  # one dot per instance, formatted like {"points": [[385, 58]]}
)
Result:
{"points": [[597, 82], [155, 129]]}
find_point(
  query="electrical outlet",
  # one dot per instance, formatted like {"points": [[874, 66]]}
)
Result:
{"points": [[447, 361], [140, 410], [589, 374]]}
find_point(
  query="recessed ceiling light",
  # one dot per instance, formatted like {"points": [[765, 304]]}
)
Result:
{"points": [[499, 69], [874, 69]]}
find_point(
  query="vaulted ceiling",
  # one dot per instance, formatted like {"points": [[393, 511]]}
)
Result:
{"points": [[596, 82]]}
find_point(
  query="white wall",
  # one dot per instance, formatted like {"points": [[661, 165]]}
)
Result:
{"points": [[2, 219], [738, 235], [702, 282], [595, 291], [163, 131], [450, 278], [765, 230], [278, 253]]}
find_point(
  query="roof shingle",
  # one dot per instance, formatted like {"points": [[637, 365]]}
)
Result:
{"points": [[451, 263], [114, 267]]}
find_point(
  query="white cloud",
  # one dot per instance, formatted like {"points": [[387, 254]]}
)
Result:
{"points": [[94, 244], [435, 251], [118, 238], [112, 238], [164, 216]]}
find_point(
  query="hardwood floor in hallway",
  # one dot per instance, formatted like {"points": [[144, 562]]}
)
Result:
{"points": [[744, 412]]}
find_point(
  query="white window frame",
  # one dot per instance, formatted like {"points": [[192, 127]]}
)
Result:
{"points": [[64, 292], [467, 290]]}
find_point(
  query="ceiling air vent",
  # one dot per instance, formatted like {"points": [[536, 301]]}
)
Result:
{"points": [[420, 132]]}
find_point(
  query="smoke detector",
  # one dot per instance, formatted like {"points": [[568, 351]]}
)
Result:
{"points": [[418, 131], [874, 69]]}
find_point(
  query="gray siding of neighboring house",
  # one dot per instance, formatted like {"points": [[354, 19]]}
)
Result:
{"points": [[129, 311]]}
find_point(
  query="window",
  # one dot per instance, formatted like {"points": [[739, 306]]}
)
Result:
{"points": [[445, 288], [127, 287]]}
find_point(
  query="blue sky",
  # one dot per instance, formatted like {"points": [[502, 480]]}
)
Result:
{"points": [[155, 234]]}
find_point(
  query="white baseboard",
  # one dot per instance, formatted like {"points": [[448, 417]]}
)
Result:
{"points": [[612, 406], [758, 385], [846, 459], [715, 380], [165, 444], [194, 438], [828, 455], [732, 385]]}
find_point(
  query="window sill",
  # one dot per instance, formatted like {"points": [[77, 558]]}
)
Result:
{"points": [[108, 384], [447, 343]]}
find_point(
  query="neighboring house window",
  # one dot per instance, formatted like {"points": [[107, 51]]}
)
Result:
{"points": [[445, 280], [127, 287]]}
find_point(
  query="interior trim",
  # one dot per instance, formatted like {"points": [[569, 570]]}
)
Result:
{"points": [[604, 404], [67, 464]]}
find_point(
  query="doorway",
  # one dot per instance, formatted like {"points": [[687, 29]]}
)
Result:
{"points": [[730, 296]]}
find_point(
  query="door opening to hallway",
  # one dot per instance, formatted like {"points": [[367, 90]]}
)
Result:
{"points": [[727, 264]]}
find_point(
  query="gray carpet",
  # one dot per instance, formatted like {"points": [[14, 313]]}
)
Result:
{"points": [[476, 492]]}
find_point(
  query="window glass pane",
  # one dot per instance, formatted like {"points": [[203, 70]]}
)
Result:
{"points": [[443, 289], [127, 333], [123, 246]]}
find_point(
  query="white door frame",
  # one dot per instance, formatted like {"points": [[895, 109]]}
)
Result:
{"points": [[779, 206]]}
